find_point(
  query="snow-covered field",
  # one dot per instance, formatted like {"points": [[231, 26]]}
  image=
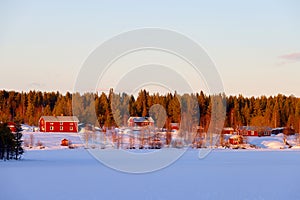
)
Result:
{"points": [[50, 141], [60, 173]]}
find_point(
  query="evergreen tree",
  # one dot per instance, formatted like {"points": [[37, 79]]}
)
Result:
{"points": [[276, 115], [158, 114], [47, 111], [18, 142], [116, 109], [59, 108], [30, 112], [10, 143]]}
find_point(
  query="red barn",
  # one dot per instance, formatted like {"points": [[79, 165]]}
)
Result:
{"points": [[58, 124]]}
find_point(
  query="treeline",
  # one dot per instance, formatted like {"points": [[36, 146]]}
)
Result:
{"points": [[114, 109]]}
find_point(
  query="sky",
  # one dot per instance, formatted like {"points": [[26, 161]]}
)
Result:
{"points": [[255, 45]]}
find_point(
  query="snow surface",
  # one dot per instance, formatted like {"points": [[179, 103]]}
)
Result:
{"points": [[60, 173], [223, 174], [51, 141], [272, 142]]}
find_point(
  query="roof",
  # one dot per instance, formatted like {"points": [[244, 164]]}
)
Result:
{"points": [[11, 124], [141, 119], [228, 129], [60, 118], [278, 128], [235, 136], [254, 128]]}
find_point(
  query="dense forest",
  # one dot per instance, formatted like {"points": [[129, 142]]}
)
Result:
{"points": [[114, 109]]}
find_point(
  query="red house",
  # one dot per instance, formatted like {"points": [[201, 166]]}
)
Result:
{"points": [[254, 131], [140, 121], [58, 124]]}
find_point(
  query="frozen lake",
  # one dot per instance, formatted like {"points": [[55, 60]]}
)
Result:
{"points": [[223, 174]]}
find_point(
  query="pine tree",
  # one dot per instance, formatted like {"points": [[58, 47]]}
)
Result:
{"points": [[276, 115], [116, 109], [47, 111], [18, 142], [30, 112], [158, 114], [59, 108], [10, 143]]}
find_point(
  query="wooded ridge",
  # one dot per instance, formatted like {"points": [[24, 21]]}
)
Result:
{"points": [[114, 109]]}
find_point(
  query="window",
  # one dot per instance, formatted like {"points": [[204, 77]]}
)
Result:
{"points": [[71, 124], [71, 128], [61, 128], [51, 128], [61, 123]]}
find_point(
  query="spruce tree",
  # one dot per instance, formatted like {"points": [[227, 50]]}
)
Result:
{"points": [[18, 142], [10, 143]]}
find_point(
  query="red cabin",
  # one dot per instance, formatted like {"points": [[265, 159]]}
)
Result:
{"points": [[228, 130], [249, 133], [12, 126], [140, 121], [58, 124], [175, 126], [254, 131]]}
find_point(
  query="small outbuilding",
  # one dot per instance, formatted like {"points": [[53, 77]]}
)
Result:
{"points": [[64, 142], [236, 139], [12, 126], [175, 126]]}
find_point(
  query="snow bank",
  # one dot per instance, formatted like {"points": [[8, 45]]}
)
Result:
{"points": [[273, 144]]}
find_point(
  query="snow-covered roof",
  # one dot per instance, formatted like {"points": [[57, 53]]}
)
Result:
{"points": [[235, 136], [228, 129], [60, 118], [278, 128], [175, 124], [140, 119], [254, 128]]}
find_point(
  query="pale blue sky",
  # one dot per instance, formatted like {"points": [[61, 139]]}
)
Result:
{"points": [[255, 44]]}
